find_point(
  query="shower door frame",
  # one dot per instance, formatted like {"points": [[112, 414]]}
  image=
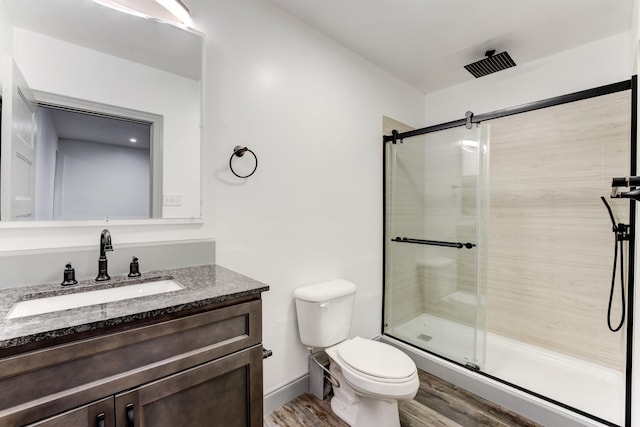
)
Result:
{"points": [[471, 119], [476, 359]]}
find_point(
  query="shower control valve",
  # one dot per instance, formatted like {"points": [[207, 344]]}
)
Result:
{"points": [[622, 232]]}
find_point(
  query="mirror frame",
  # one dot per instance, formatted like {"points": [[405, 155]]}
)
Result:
{"points": [[157, 162]]}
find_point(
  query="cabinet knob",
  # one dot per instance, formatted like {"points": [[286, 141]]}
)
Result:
{"points": [[100, 420], [129, 409]]}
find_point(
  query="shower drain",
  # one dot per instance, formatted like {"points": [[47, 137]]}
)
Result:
{"points": [[424, 337]]}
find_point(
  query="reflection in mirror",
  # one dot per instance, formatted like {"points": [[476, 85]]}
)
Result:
{"points": [[91, 166], [80, 50]]}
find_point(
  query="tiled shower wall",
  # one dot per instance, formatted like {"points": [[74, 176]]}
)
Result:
{"points": [[550, 241]]}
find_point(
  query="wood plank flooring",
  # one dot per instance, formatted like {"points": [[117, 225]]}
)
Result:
{"points": [[437, 404]]}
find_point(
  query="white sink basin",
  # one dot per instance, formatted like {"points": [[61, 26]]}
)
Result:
{"points": [[83, 299]]}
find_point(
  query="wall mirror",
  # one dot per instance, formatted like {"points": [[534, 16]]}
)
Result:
{"points": [[125, 76]]}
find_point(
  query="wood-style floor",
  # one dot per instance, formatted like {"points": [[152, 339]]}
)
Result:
{"points": [[437, 404]]}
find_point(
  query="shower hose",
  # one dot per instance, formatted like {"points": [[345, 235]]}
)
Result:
{"points": [[620, 236]]}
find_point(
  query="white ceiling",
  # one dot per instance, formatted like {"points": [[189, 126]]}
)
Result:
{"points": [[427, 42], [104, 130]]}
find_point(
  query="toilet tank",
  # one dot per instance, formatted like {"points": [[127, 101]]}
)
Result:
{"points": [[324, 312]]}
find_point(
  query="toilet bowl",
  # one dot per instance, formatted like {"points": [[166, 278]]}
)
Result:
{"points": [[375, 368], [371, 376]]}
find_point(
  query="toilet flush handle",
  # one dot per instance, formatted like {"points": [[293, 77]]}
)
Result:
{"points": [[324, 305]]}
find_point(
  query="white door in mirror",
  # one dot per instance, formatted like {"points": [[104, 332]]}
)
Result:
{"points": [[83, 299], [18, 151]]}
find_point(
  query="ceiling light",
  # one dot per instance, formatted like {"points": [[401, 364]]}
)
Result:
{"points": [[133, 140], [178, 9], [170, 11], [121, 8]]}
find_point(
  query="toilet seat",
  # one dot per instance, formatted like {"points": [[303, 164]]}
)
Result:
{"points": [[392, 384], [376, 360]]}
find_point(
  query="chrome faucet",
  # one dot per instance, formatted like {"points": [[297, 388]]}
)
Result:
{"points": [[105, 246]]}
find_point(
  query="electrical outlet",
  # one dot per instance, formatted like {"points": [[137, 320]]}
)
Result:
{"points": [[172, 200]]}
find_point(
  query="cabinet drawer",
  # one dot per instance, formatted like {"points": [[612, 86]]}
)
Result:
{"points": [[49, 381]]}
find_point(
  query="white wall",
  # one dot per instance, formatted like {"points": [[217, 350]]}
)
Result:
{"points": [[6, 39], [312, 112], [6, 34], [94, 76], [96, 180], [46, 147]]}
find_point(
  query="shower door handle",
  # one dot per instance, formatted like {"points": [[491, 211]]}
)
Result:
{"points": [[458, 245]]}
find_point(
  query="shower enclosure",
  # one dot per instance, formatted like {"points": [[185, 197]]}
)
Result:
{"points": [[498, 250]]}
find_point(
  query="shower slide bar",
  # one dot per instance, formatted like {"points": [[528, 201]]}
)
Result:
{"points": [[434, 243]]}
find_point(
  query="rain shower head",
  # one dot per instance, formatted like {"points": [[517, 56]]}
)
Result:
{"points": [[491, 64]]}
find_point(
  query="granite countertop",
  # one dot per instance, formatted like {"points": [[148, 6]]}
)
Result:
{"points": [[202, 285]]}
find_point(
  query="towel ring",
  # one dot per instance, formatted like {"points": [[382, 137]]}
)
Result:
{"points": [[239, 151]]}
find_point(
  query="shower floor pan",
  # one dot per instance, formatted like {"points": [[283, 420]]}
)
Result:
{"points": [[574, 382]]}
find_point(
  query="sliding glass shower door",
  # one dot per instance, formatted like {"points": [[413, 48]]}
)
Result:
{"points": [[434, 292]]}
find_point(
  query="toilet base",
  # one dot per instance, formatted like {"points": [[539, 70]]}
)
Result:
{"points": [[368, 412], [362, 411]]}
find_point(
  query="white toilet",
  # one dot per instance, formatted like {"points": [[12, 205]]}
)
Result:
{"points": [[372, 375]]}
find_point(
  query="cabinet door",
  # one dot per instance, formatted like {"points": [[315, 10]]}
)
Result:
{"points": [[97, 414], [226, 392]]}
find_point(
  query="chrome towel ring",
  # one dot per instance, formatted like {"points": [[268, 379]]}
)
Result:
{"points": [[240, 151]]}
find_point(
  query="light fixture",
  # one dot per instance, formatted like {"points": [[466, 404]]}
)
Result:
{"points": [[170, 11], [178, 9], [115, 5], [133, 140]]}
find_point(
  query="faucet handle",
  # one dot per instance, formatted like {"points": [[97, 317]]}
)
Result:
{"points": [[134, 268], [69, 277]]}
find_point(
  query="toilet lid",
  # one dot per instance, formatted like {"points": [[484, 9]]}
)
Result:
{"points": [[376, 359]]}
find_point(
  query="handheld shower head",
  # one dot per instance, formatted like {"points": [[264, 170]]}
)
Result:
{"points": [[622, 233]]}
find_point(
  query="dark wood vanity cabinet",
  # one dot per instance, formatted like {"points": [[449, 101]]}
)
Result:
{"points": [[202, 369]]}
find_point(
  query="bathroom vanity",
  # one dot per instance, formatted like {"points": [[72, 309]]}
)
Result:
{"points": [[191, 357]]}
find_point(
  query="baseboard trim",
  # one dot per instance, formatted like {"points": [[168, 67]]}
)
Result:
{"points": [[285, 394]]}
